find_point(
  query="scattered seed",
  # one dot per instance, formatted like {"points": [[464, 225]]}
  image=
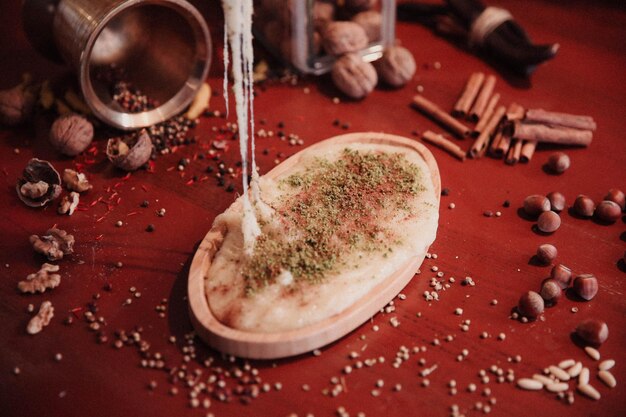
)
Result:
{"points": [[501, 336], [574, 371], [16, 371], [543, 379], [58, 357]]}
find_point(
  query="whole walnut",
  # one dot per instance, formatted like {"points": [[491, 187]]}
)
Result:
{"points": [[343, 37], [353, 76], [396, 67], [371, 22], [71, 134], [16, 105]]}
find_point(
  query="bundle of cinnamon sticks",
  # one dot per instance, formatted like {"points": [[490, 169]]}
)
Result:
{"points": [[509, 132]]}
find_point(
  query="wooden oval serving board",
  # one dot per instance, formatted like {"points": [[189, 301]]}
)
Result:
{"points": [[282, 344]]}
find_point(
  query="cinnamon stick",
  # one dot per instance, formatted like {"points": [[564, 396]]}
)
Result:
{"points": [[503, 146], [556, 134], [514, 153], [463, 105], [515, 112], [445, 144], [432, 110], [483, 99], [481, 143], [495, 144], [560, 119], [491, 106], [528, 149]]}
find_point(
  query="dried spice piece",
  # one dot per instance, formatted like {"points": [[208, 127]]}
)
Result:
{"points": [[130, 153], [41, 280], [17, 103], [69, 203], [42, 319], [76, 181], [54, 244], [71, 134], [396, 67], [40, 183]]}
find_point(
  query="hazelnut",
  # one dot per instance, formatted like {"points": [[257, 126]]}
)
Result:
{"points": [[343, 37], [130, 153], [548, 222], [371, 22], [16, 104], [608, 211], [353, 76], [557, 201], [617, 196], [593, 332], [71, 134], [546, 253], [584, 206], [530, 305], [536, 204], [558, 162], [551, 291], [561, 274], [586, 286], [396, 67], [40, 183]]}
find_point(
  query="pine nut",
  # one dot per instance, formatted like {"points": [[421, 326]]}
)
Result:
{"points": [[557, 387], [567, 363], [589, 391], [607, 378], [593, 353], [607, 364], [583, 378], [574, 371], [559, 373], [529, 384]]}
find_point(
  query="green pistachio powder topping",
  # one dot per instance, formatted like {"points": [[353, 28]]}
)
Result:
{"points": [[336, 208]]}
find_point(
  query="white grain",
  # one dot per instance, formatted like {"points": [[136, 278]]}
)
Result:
{"points": [[567, 363], [529, 384], [607, 378]]}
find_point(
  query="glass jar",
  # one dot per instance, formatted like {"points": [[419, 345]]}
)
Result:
{"points": [[295, 30]]}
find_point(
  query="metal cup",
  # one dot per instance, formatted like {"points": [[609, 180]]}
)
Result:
{"points": [[163, 47]]}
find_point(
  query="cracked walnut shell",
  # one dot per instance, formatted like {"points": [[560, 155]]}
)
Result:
{"points": [[353, 76], [129, 154], [40, 183]]}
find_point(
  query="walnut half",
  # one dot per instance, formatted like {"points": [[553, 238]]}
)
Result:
{"points": [[54, 244], [41, 319], [41, 280]]}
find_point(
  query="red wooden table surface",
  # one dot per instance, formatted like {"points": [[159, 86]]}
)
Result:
{"points": [[95, 379]]}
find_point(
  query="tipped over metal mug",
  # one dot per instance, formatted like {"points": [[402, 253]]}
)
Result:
{"points": [[163, 48]]}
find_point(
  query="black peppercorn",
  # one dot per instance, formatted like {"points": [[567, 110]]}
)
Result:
{"points": [[150, 228]]}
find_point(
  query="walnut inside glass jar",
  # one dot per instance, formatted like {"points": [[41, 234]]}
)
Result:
{"points": [[343, 37], [353, 76]]}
